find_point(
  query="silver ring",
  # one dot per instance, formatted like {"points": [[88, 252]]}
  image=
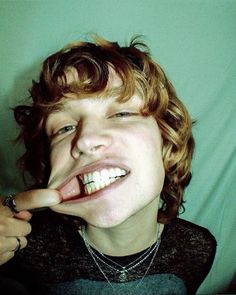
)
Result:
{"points": [[10, 203], [18, 246]]}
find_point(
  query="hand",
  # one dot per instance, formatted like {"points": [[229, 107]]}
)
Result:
{"points": [[14, 227]]}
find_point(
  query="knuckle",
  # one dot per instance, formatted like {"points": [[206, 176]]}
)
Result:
{"points": [[24, 242], [23, 227], [28, 228]]}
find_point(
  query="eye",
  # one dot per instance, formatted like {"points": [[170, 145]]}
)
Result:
{"points": [[66, 129], [123, 114]]}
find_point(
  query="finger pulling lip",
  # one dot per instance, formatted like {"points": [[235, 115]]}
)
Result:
{"points": [[83, 197], [72, 188]]}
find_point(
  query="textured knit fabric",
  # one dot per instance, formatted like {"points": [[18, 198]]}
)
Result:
{"points": [[57, 261], [162, 284]]}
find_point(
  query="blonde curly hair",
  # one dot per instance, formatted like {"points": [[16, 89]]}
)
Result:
{"points": [[139, 73]]}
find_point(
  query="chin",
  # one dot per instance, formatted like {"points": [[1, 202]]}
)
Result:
{"points": [[108, 219]]}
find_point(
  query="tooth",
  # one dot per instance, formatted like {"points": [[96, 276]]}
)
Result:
{"points": [[89, 188], [104, 174], [90, 177], [85, 178], [86, 189], [96, 176], [112, 172], [93, 187], [107, 181], [102, 183], [123, 172], [97, 186], [118, 171]]}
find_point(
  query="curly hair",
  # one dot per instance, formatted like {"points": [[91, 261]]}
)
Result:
{"points": [[90, 62]]}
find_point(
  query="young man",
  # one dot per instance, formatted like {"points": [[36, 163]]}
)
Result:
{"points": [[109, 147]]}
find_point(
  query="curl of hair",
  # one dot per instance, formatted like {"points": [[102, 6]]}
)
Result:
{"points": [[89, 63]]}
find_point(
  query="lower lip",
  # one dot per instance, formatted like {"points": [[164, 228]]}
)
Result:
{"points": [[106, 190]]}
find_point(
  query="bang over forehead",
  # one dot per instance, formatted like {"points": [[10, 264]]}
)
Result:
{"points": [[73, 83], [90, 69]]}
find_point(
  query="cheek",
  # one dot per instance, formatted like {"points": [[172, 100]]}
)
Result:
{"points": [[58, 155], [148, 148], [147, 143]]}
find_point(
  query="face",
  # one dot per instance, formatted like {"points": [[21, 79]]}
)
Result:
{"points": [[106, 159]]}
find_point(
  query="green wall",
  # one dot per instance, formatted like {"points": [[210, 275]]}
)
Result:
{"points": [[194, 41]]}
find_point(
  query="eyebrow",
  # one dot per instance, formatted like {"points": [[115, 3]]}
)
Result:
{"points": [[59, 107]]}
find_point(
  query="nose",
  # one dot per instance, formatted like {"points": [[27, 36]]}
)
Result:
{"points": [[93, 138]]}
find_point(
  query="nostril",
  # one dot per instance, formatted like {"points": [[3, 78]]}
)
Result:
{"points": [[76, 152], [91, 143], [97, 147]]}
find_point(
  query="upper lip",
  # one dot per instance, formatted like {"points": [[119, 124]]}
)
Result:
{"points": [[98, 165]]}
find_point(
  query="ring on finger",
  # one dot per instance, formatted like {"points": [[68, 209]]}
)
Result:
{"points": [[18, 246], [10, 203]]}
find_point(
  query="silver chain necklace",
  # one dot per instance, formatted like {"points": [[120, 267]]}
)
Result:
{"points": [[123, 271]]}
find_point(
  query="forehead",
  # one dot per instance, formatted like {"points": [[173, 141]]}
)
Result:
{"points": [[72, 103]]}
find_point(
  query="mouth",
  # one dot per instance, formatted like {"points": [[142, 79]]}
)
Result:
{"points": [[87, 184]]}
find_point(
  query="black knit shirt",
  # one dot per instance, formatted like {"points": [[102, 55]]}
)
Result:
{"points": [[56, 260]]}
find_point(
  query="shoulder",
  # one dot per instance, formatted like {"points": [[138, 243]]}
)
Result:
{"points": [[188, 230], [192, 236], [194, 249]]}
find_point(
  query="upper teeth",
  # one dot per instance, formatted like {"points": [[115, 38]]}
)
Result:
{"points": [[97, 180], [104, 175]]}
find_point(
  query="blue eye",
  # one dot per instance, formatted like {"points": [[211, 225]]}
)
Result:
{"points": [[66, 129]]}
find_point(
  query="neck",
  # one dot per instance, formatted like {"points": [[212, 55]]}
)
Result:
{"points": [[132, 236]]}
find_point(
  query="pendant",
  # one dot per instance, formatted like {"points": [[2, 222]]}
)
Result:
{"points": [[123, 275]]}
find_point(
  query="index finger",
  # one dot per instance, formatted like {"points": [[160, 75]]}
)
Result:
{"points": [[37, 198]]}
